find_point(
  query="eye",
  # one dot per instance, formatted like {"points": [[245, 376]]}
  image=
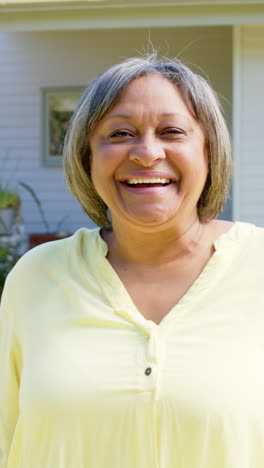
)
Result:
{"points": [[172, 131], [121, 134]]}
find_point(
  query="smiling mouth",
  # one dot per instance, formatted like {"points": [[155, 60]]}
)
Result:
{"points": [[148, 182]]}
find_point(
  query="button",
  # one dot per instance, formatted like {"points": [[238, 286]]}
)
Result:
{"points": [[148, 371]]}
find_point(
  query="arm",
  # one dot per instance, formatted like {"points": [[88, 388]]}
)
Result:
{"points": [[9, 376]]}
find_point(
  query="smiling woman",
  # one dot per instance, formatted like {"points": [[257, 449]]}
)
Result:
{"points": [[151, 133], [131, 345], [103, 93]]}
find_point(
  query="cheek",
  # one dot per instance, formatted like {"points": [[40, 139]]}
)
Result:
{"points": [[101, 176], [97, 179], [97, 162], [105, 162], [95, 168]]}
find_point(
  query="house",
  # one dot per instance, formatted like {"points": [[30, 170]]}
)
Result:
{"points": [[62, 44]]}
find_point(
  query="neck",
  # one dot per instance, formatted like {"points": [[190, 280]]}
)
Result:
{"points": [[153, 246]]}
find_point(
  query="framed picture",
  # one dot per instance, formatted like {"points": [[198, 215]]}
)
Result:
{"points": [[58, 105]]}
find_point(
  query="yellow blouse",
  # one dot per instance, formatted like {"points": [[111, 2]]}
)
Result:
{"points": [[87, 382]]}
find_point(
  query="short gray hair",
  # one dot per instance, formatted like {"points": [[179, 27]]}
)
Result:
{"points": [[101, 95]]}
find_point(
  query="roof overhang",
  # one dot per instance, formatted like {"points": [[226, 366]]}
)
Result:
{"points": [[25, 15]]}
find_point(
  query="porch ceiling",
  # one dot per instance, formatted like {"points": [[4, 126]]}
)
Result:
{"points": [[26, 15], [126, 2]]}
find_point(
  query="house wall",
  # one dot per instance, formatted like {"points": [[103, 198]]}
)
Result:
{"points": [[249, 127], [29, 61]]}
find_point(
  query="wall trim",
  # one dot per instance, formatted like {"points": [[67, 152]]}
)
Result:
{"points": [[106, 15]]}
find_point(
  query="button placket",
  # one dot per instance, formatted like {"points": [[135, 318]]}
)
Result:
{"points": [[153, 359], [153, 347]]}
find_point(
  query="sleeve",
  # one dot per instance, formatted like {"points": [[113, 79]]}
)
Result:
{"points": [[10, 365]]}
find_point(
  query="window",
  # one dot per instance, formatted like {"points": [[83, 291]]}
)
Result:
{"points": [[58, 105]]}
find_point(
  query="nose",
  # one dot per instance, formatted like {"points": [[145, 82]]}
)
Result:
{"points": [[147, 151]]}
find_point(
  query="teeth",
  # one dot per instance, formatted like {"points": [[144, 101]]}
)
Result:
{"points": [[149, 180]]}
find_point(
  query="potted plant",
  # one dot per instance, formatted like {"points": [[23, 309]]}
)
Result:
{"points": [[49, 235], [9, 209]]}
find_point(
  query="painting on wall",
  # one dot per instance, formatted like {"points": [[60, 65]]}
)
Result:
{"points": [[58, 104]]}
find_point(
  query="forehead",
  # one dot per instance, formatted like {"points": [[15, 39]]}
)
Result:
{"points": [[153, 92]]}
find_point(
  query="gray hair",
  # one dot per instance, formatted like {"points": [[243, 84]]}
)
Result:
{"points": [[101, 95]]}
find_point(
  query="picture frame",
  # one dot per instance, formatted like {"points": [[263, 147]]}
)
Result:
{"points": [[57, 104]]}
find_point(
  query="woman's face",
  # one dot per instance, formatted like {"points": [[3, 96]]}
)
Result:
{"points": [[149, 159]]}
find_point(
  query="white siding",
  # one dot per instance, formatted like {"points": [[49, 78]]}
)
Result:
{"points": [[29, 61], [249, 125]]}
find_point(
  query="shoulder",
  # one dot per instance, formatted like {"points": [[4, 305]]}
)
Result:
{"points": [[256, 243], [253, 234], [248, 240], [237, 230], [240, 240], [51, 257], [46, 278]]}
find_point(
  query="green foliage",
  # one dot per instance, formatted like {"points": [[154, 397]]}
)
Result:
{"points": [[8, 199], [8, 258]]}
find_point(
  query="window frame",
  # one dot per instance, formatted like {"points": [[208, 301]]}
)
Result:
{"points": [[47, 93]]}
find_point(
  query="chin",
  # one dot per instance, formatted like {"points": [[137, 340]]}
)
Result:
{"points": [[150, 219]]}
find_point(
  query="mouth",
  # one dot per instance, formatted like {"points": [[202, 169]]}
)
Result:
{"points": [[148, 182]]}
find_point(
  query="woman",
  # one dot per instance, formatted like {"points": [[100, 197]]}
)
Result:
{"points": [[140, 343]]}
